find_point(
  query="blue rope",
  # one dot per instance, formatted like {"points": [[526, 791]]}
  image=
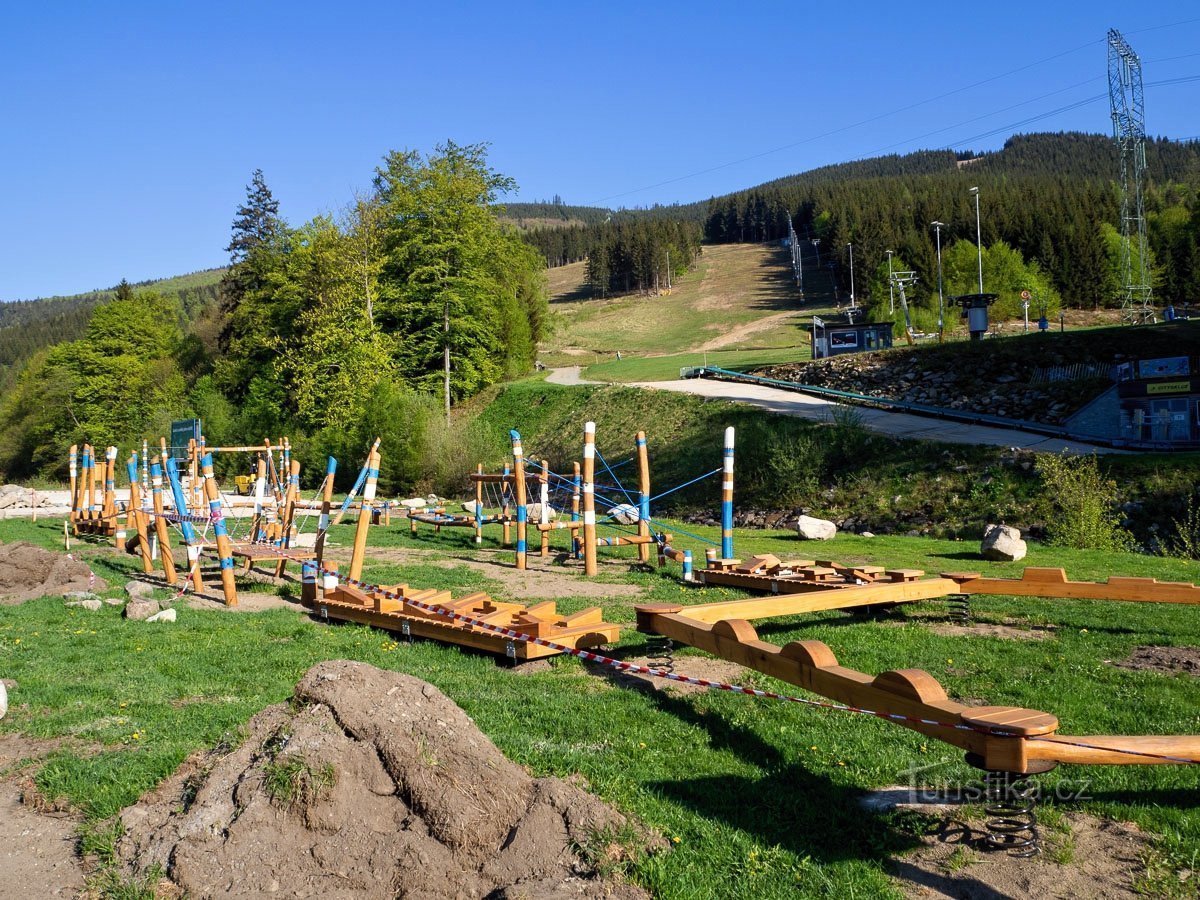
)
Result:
{"points": [[620, 487], [685, 484]]}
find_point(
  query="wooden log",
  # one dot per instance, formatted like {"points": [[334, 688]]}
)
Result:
{"points": [[643, 463], [326, 507], [289, 516], [787, 604], [139, 516], [224, 547], [1053, 582], [189, 532], [162, 529], [589, 498], [522, 507], [364, 515], [727, 497]]}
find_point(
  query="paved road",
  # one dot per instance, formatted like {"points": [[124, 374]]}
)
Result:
{"points": [[903, 425]]}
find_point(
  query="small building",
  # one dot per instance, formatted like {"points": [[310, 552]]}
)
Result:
{"points": [[1159, 400], [836, 338]]}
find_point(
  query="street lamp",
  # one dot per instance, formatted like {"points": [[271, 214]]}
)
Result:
{"points": [[938, 226], [978, 237], [851, 246], [891, 288]]}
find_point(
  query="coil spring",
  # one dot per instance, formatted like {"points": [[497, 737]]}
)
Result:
{"points": [[660, 652], [959, 608], [1011, 814]]}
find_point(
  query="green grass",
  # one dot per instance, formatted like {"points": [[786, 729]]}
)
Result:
{"points": [[756, 798]]}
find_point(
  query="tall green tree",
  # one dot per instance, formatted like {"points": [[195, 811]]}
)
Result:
{"points": [[256, 228]]}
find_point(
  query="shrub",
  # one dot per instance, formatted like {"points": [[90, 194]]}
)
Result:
{"points": [[1081, 504]]}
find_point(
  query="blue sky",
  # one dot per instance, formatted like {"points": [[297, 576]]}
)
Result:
{"points": [[131, 129]]}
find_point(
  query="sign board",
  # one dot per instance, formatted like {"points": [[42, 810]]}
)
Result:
{"points": [[818, 323], [1167, 367], [182, 431], [1169, 387], [1025, 295]]}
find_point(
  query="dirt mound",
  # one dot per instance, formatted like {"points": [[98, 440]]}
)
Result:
{"points": [[28, 572], [1163, 659], [370, 784]]}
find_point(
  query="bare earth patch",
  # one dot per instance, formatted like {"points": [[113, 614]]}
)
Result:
{"points": [[1163, 659], [706, 667], [741, 332], [371, 784], [37, 846], [28, 572], [993, 629], [1105, 859]]}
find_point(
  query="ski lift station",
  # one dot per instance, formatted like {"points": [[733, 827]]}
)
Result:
{"points": [[836, 338]]}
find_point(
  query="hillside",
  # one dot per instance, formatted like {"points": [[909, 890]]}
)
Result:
{"points": [[27, 326]]}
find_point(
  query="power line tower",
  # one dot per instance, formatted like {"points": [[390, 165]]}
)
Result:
{"points": [[797, 259], [1129, 130]]}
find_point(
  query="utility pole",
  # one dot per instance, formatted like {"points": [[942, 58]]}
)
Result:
{"points": [[852, 304], [938, 226], [978, 237], [891, 287]]}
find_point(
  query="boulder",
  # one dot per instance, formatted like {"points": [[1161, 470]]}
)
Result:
{"points": [[469, 506], [89, 605], [139, 609], [167, 615], [534, 512], [624, 514], [413, 503], [1002, 543], [813, 529], [138, 589], [79, 596], [3, 700]]}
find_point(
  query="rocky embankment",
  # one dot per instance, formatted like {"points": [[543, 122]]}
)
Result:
{"points": [[999, 385]]}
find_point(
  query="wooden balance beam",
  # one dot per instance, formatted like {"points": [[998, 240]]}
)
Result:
{"points": [[913, 698], [1051, 582]]}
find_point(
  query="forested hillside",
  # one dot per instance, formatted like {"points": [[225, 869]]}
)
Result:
{"points": [[333, 332]]}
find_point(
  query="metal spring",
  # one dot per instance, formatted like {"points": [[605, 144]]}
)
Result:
{"points": [[660, 652], [959, 608], [1011, 823]]}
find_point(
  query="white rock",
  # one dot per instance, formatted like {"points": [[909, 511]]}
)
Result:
{"points": [[534, 513], [167, 615], [866, 534], [812, 529], [624, 514], [1002, 543], [138, 589], [3, 700], [89, 605], [413, 503], [469, 507]]}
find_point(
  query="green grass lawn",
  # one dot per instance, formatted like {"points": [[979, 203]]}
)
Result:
{"points": [[758, 798], [666, 368]]}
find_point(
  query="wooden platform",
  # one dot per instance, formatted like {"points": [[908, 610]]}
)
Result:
{"points": [[583, 629]]}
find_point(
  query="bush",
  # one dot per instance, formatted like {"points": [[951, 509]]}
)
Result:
{"points": [[1081, 504]]}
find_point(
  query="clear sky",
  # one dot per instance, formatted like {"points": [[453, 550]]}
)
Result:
{"points": [[132, 128]]}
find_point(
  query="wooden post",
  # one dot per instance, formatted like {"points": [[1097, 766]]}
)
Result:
{"points": [[73, 465], [643, 461], [193, 504], [544, 499], [90, 478], [224, 548], [110, 496], [258, 531], [505, 510], [727, 498], [522, 507], [138, 515], [289, 516], [479, 506], [589, 498], [364, 515], [576, 514], [189, 532], [161, 528], [326, 505]]}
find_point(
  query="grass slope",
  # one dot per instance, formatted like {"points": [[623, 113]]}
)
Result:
{"points": [[757, 798]]}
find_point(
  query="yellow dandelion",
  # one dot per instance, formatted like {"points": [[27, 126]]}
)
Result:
{"points": [[676, 839], [137, 736]]}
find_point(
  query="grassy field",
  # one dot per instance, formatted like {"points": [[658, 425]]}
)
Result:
{"points": [[757, 798], [739, 297]]}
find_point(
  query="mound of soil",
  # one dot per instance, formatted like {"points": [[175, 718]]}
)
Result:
{"points": [[28, 572], [1164, 659], [370, 784]]}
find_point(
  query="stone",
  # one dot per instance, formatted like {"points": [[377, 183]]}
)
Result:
{"points": [[1002, 543], [3, 700], [413, 503], [866, 534], [469, 506], [89, 605], [167, 615], [534, 511], [79, 596], [813, 529], [138, 589], [624, 514], [139, 609]]}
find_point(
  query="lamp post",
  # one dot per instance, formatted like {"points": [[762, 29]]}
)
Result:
{"points": [[852, 304], [891, 289], [978, 237], [938, 226]]}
